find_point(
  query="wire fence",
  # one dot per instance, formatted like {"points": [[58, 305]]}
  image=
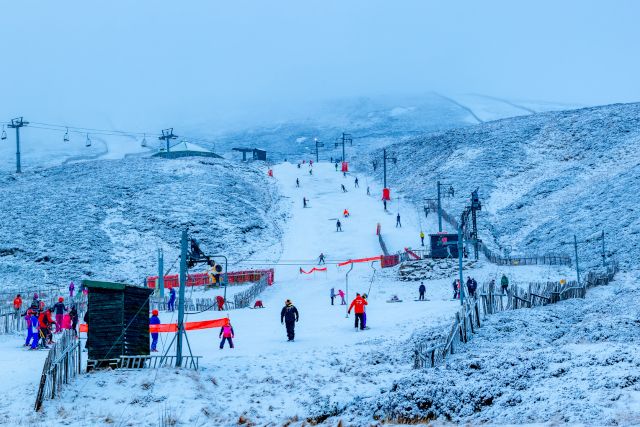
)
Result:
{"points": [[495, 257], [491, 301], [245, 298], [62, 365]]}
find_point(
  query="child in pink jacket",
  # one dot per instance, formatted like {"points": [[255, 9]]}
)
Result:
{"points": [[226, 333]]}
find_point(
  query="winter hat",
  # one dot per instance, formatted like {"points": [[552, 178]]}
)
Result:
{"points": [[35, 296], [60, 299], [154, 312], [287, 302]]}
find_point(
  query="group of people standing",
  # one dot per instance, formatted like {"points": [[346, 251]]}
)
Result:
{"points": [[40, 322]]}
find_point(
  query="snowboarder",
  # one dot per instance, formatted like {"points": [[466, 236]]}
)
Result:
{"points": [[298, 165], [355, 183], [304, 202], [321, 258], [345, 213], [154, 320], [398, 221], [332, 295], [171, 304], [59, 309], [341, 295], [226, 333], [421, 238], [344, 190], [504, 284], [368, 192], [297, 183], [338, 226], [72, 288], [358, 304], [421, 291], [336, 166], [289, 316]]}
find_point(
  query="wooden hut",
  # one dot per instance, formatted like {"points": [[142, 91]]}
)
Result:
{"points": [[118, 320]]}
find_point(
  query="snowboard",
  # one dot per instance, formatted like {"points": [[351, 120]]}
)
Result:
{"points": [[422, 300], [390, 300]]}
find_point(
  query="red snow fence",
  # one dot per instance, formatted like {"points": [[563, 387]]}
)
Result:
{"points": [[354, 261], [173, 327], [412, 254], [313, 270], [200, 279]]}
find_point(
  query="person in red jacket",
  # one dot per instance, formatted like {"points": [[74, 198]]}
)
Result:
{"points": [[17, 304], [358, 305], [44, 322], [220, 302]]}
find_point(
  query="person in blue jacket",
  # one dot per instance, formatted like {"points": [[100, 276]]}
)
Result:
{"points": [[171, 305], [32, 329], [154, 320]]}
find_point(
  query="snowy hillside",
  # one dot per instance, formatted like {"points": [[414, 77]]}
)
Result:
{"points": [[105, 219], [542, 178]]}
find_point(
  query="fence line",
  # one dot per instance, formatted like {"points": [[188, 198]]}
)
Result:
{"points": [[62, 365], [468, 317], [244, 299], [494, 257]]}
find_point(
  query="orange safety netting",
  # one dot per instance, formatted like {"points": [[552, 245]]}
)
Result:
{"points": [[173, 327], [353, 261], [313, 270]]}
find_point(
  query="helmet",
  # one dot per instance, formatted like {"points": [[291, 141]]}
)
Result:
{"points": [[154, 312], [60, 299]]}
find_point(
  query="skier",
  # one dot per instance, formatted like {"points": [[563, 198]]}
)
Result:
{"points": [[321, 258], [421, 238], [504, 283], [32, 327], [338, 226], [154, 320], [364, 312], [171, 304], [469, 286], [17, 305], [356, 183], [72, 287], [456, 289], [59, 309], [359, 303], [73, 314], [226, 333], [345, 213], [336, 166], [472, 288], [398, 221], [421, 291], [310, 171], [304, 202], [332, 295], [368, 192], [384, 202], [297, 183], [289, 316], [344, 190], [220, 302], [44, 324], [310, 163], [298, 165], [341, 295]]}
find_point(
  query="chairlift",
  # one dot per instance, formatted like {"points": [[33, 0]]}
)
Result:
{"points": [[4, 133], [66, 136], [88, 142], [144, 140]]}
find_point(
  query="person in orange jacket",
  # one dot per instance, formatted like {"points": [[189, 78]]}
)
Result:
{"points": [[358, 305], [346, 213], [17, 304], [44, 322]]}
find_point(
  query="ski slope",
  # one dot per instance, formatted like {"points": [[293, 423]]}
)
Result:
{"points": [[265, 379]]}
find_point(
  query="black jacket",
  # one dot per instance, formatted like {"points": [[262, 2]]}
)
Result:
{"points": [[59, 308], [422, 289], [289, 313]]}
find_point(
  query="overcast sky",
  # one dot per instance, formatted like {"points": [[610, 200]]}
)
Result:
{"points": [[148, 64]]}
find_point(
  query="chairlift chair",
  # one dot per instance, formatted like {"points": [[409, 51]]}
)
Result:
{"points": [[4, 133], [88, 142]]}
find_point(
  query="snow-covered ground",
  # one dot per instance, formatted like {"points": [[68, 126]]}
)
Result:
{"points": [[541, 179], [107, 218], [265, 379]]}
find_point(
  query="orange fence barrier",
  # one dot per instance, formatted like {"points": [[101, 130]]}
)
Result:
{"points": [[314, 269], [353, 261], [173, 327]]}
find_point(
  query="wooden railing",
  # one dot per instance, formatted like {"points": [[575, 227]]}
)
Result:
{"points": [[62, 365]]}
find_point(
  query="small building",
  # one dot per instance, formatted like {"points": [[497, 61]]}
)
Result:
{"points": [[257, 154], [118, 322], [444, 245], [186, 149]]}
